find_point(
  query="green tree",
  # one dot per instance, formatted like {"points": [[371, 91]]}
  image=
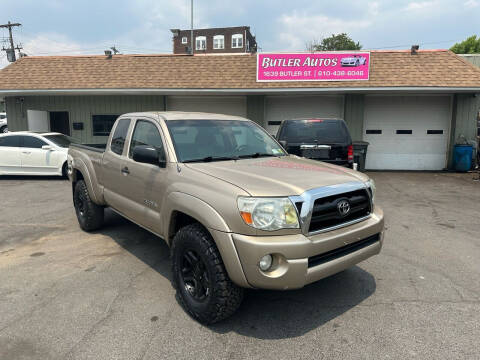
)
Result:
{"points": [[334, 43], [469, 46]]}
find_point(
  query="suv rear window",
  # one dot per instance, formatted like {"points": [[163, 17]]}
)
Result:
{"points": [[311, 131]]}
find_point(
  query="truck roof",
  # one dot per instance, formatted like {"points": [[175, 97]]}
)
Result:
{"points": [[185, 115]]}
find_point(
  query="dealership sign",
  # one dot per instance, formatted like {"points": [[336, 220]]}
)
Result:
{"points": [[332, 66]]}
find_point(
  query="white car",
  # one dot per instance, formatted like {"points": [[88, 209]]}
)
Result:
{"points": [[29, 153], [3, 123], [355, 60]]}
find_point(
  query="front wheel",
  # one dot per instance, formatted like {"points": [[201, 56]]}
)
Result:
{"points": [[204, 288], [89, 214], [4, 130]]}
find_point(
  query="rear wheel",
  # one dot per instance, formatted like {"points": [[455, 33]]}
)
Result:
{"points": [[89, 214], [204, 288], [4, 129]]}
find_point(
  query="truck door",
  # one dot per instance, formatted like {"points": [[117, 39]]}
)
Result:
{"points": [[146, 183], [112, 165]]}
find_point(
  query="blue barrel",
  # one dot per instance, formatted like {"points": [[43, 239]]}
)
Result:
{"points": [[462, 157]]}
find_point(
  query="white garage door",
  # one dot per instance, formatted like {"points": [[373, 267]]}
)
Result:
{"points": [[278, 108], [229, 105], [407, 132]]}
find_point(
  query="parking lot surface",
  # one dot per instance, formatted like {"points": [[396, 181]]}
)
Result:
{"points": [[67, 294]]}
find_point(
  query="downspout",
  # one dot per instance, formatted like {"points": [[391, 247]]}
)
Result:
{"points": [[245, 41]]}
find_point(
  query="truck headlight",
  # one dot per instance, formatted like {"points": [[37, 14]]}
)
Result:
{"points": [[371, 184], [268, 213]]}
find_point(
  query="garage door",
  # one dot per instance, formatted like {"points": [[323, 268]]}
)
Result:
{"points": [[230, 105], [278, 108], [407, 133]]}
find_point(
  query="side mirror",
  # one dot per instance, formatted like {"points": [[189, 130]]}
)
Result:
{"points": [[148, 155], [47, 147], [283, 143]]}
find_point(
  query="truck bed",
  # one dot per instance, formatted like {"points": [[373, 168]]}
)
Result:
{"points": [[92, 147]]}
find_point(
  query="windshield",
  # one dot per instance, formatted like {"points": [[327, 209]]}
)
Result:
{"points": [[315, 131], [61, 140], [210, 140]]}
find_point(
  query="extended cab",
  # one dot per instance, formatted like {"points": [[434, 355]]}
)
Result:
{"points": [[236, 210]]}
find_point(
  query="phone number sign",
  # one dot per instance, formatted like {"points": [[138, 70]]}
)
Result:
{"points": [[333, 66]]}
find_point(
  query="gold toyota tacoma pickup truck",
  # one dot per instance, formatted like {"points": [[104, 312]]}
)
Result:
{"points": [[236, 210]]}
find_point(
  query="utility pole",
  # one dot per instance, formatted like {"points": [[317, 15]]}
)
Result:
{"points": [[191, 25], [10, 52]]}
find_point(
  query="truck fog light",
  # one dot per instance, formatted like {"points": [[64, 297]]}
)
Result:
{"points": [[265, 262]]}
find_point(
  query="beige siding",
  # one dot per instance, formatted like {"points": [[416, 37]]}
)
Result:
{"points": [[468, 107], [80, 108], [256, 108], [354, 113], [473, 59], [464, 121]]}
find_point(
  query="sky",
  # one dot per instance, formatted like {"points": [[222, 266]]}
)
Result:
{"points": [[71, 27]]}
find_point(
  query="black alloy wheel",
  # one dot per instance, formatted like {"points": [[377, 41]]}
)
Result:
{"points": [[195, 276]]}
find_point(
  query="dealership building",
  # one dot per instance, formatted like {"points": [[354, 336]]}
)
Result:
{"points": [[412, 107]]}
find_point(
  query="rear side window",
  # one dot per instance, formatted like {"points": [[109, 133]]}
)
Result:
{"points": [[10, 141], [146, 133], [32, 142], [119, 136]]}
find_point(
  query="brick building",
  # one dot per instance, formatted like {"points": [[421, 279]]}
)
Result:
{"points": [[215, 40]]}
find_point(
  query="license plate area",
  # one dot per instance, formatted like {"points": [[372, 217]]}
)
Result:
{"points": [[316, 153]]}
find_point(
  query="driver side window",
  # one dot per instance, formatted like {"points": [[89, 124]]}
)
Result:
{"points": [[146, 133]]}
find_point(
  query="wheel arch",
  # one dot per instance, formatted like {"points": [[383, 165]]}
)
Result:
{"points": [[184, 210], [80, 172]]}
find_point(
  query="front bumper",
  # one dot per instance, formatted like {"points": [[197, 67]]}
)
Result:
{"points": [[291, 254]]}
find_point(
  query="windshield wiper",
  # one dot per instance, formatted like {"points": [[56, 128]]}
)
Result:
{"points": [[212, 158], [257, 155]]}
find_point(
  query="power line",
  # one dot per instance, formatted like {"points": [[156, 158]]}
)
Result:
{"points": [[408, 45]]}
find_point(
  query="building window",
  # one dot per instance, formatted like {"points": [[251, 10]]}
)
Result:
{"points": [[184, 40], [237, 41], [102, 124], [219, 42], [200, 43]]}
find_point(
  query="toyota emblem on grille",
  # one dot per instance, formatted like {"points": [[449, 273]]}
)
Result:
{"points": [[343, 207]]}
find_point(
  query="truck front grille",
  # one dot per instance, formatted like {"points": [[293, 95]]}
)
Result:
{"points": [[326, 212], [343, 251]]}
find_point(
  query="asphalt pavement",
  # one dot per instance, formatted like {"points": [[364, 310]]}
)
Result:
{"points": [[66, 294]]}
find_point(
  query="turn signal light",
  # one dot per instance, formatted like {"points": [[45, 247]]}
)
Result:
{"points": [[247, 217]]}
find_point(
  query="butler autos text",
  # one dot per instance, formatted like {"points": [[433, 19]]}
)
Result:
{"points": [[296, 62]]}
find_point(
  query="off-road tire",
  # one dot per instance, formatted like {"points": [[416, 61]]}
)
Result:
{"points": [[89, 214], [224, 297]]}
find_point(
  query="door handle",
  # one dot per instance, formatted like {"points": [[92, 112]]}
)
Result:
{"points": [[26, 152], [125, 171]]}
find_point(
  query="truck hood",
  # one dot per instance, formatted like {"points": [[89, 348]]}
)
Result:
{"points": [[282, 176]]}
